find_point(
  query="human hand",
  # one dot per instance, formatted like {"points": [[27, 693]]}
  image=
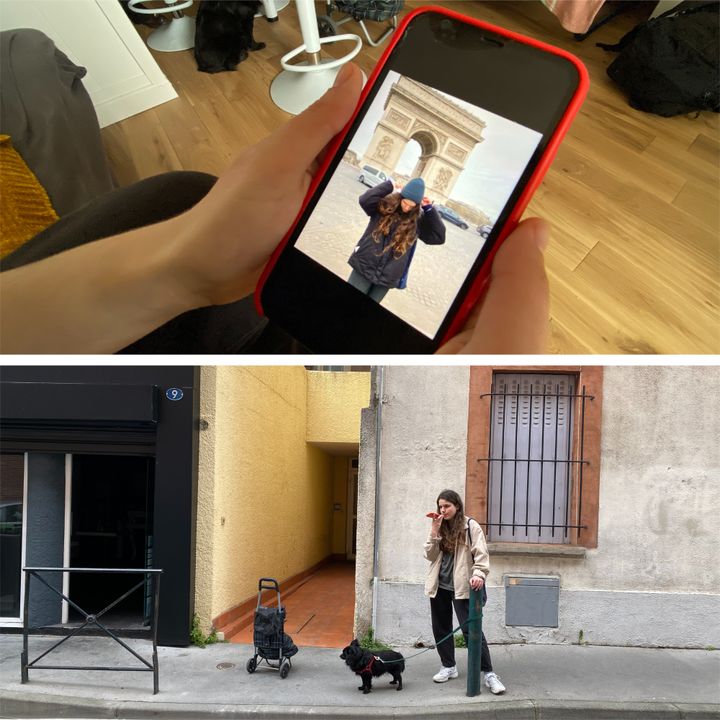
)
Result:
{"points": [[222, 244], [476, 582], [435, 526], [513, 316]]}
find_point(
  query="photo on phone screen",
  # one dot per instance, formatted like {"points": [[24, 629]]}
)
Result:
{"points": [[469, 161]]}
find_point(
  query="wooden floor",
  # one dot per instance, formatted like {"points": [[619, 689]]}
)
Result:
{"points": [[634, 261], [320, 612]]}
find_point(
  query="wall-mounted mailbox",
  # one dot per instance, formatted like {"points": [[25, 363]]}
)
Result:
{"points": [[532, 601]]}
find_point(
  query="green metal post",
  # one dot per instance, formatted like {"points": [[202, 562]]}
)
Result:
{"points": [[474, 643]]}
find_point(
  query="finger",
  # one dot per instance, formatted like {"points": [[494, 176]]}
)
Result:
{"points": [[457, 343], [305, 136], [514, 316]]}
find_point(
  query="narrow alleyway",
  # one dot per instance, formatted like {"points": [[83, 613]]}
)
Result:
{"points": [[320, 612]]}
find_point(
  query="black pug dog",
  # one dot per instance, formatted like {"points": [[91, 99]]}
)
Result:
{"points": [[368, 665], [224, 34]]}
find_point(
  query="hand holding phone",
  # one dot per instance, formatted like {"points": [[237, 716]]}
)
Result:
{"points": [[526, 91], [436, 521]]}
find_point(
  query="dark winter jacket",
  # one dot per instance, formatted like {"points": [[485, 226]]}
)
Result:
{"points": [[383, 268]]}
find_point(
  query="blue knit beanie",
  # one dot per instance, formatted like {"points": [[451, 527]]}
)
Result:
{"points": [[414, 190]]}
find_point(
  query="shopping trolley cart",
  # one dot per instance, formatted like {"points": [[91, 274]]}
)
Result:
{"points": [[271, 643]]}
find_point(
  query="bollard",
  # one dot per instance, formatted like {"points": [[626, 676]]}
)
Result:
{"points": [[474, 643]]}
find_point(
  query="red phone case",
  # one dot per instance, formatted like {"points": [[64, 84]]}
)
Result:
{"points": [[432, 515], [480, 283]]}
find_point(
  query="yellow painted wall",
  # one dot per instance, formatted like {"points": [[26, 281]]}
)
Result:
{"points": [[265, 494], [205, 523], [334, 403]]}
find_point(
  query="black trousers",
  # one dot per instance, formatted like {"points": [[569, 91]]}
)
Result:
{"points": [[232, 328], [441, 612]]}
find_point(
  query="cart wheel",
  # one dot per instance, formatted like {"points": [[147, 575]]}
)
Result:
{"points": [[251, 665], [326, 27], [284, 669]]}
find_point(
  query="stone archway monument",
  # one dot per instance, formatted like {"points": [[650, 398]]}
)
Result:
{"points": [[445, 132]]}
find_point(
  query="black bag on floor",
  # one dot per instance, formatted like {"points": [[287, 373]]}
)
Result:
{"points": [[669, 65], [268, 635]]}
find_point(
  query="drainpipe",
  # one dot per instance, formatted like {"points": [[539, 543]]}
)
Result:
{"points": [[378, 463]]}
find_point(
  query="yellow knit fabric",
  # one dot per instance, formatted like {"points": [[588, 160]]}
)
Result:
{"points": [[25, 208]]}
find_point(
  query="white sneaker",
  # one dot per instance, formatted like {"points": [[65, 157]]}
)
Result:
{"points": [[493, 682], [446, 674]]}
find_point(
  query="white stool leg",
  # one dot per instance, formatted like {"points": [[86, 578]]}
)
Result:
{"points": [[299, 86], [177, 34], [271, 8]]}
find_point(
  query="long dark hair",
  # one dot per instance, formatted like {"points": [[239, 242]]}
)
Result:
{"points": [[451, 530], [404, 224]]}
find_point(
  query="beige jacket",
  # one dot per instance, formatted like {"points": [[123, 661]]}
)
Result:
{"points": [[469, 561]]}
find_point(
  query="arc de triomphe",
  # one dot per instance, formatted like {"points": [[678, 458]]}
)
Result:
{"points": [[445, 132]]}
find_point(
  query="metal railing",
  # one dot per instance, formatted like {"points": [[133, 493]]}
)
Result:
{"points": [[90, 620]]}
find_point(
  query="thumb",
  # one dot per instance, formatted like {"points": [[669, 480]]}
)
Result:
{"points": [[515, 313], [308, 133]]}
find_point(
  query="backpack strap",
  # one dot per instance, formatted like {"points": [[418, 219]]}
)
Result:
{"points": [[468, 530]]}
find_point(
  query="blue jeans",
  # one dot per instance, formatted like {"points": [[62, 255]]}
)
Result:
{"points": [[374, 292]]}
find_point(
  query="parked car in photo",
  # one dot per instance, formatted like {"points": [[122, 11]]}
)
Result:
{"points": [[449, 214], [371, 176], [484, 231], [11, 518]]}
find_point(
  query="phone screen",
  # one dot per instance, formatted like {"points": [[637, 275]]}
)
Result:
{"points": [[469, 160], [455, 123]]}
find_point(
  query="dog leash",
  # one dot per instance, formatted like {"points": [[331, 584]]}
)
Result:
{"points": [[409, 657]]}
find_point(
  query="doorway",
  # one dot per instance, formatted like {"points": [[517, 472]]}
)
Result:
{"points": [[111, 526], [352, 505]]}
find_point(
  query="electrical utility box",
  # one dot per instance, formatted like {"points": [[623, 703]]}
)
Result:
{"points": [[532, 601]]}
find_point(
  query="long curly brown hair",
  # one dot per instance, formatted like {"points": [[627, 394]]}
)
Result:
{"points": [[451, 531], [404, 225]]}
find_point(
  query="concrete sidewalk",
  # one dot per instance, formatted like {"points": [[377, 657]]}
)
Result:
{"points": [[543, 682]]}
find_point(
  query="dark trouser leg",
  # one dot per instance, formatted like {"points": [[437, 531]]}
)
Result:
{"points": [[231, 328], [462, 610], [359, 282], [441, 615], [377, 293], [374, 292]]}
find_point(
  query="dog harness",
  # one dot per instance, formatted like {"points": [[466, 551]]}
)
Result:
{"points": [[369, 666]]}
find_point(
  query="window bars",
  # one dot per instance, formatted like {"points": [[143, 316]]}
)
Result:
{"points": [[92, 619], [535, 460]]}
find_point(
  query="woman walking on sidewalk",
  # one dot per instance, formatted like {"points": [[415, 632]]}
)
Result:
{"points": [[459, 562], [381, 259]]}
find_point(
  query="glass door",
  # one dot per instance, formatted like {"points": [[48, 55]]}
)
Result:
{"points": [[12, 509]]}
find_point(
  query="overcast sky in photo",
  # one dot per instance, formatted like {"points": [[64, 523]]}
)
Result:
{"points": [[494, 165]]}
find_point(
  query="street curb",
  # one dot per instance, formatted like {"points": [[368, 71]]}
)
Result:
{"points": [[17, 705]]}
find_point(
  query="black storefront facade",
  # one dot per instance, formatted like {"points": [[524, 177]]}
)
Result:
{"points": [[99, 469]]}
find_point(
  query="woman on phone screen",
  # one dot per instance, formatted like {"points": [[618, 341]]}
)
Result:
{"points": [[459, 563], [381, 259]]}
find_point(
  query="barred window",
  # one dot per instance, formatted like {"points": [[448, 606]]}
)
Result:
{"points": [[527, 477]]}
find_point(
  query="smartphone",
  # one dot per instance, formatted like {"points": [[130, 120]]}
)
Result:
{"points": [[432, 515], [454, 131]]}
